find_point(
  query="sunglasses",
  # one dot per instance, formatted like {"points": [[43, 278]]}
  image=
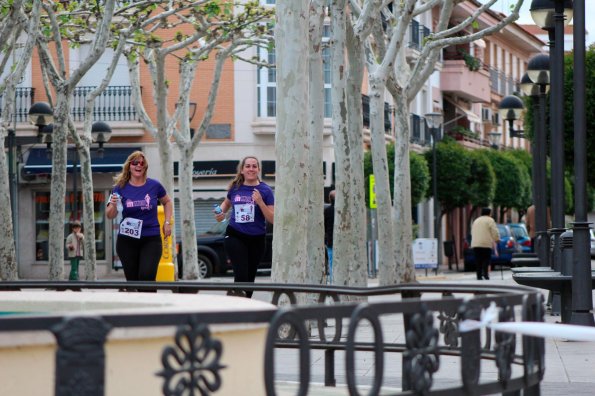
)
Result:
{"points": [[137, 163]]}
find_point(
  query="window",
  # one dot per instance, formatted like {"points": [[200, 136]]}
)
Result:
{"points": [[267, 85], [266, 80], [73, 211]]}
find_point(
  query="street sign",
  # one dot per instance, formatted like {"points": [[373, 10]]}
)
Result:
{"points": [[425, 253], [372, 192]]}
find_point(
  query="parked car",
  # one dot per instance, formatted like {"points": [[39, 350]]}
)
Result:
{"points": [[592, 243], [506, 247], [211, 251], [520, 233]]}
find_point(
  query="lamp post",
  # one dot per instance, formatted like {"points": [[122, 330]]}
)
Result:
{"points": [[41, 115], [434, 122], [101, 132], [511, 108], [12, 176], [553, 15], [494, 137], [535, 83], [582, 298]]}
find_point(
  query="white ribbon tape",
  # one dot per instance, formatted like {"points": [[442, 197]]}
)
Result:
{"points": [[489, 319]]}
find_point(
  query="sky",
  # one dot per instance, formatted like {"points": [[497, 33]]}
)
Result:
{"points": [[503, 6]]}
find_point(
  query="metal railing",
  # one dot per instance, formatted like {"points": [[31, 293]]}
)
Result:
{"points": [[366, 114], [23, 100], [430, 316], [113, 104], [415, 126], [417, 34]]}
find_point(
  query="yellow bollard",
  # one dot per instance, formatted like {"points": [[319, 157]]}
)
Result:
{"points": [[165, 271]]}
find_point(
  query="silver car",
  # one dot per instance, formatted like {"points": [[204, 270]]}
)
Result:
{"points": [[592, 243]]}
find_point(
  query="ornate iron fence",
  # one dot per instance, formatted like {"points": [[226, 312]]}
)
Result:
{"points": [[430, 316]]}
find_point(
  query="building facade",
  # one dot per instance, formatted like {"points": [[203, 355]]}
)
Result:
{"points": [[244, 123]]}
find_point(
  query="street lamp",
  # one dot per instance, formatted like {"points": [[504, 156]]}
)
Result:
{"points": [[535, 83], [553, 15], [543, 12], [434, 122], [511, 108], [40, 115], [101, 133], [582, 298], [494, 138]]}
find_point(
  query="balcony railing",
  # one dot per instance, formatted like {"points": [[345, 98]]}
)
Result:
{"points": [[23, 101], [113, 104], [494, 80], [417, 34], [501, 83], [366, 114]]}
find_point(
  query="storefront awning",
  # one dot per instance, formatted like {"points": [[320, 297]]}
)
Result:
{"points": [[463, 112], [111, 161]]}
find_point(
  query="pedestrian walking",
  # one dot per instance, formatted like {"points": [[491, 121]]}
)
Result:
{"points": [[137, 196], [74, 244], [484, 236], [252, 204], [329, 224]]}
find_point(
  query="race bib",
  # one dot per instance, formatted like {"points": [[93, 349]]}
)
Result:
{"points": [[131, 227], [244, 213]]}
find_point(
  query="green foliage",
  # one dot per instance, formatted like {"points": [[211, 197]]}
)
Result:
{"points": [[481, 180], [473, 63], [420, 177], [513, 184], [525, 159], [453, 165], [461, 130], [569, 106], [212, 9], [418, 169]]}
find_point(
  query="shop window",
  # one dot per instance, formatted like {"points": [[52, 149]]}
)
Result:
{"points": [[73, 211]]}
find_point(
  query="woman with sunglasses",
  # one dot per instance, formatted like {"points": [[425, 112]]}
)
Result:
{"points": [[139, 240], [252, 204]]}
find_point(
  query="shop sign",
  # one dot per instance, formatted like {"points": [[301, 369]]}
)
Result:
{"points": [[211, 169]]}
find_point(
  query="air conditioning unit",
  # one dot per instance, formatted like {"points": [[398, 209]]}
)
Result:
{"points": [[496, 118], [486, 114]]}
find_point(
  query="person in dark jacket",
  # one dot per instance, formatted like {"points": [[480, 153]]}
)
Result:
{"points": [[329, 223]]}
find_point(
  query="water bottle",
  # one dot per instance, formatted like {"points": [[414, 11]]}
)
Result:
{"points": [[119, 203], [217, 209]]}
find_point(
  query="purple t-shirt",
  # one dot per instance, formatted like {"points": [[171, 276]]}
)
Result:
{"points": [[246, 217], [141, 203]]}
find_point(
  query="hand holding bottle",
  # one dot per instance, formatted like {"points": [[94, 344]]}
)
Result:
{"points": [[117, 200], [219, 215]]}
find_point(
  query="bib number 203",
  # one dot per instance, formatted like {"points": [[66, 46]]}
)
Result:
{"points": [[131, 232], [131, 227]]}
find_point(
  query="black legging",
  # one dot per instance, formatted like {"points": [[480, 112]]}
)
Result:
{"points": [[244, 252], [140, 257]]}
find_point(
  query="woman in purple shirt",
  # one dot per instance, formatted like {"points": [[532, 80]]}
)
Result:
{"points": [[252, 204], [139, 239]]}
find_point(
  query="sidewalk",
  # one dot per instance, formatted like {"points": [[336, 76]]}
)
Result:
{"points": [[569, 366]]}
